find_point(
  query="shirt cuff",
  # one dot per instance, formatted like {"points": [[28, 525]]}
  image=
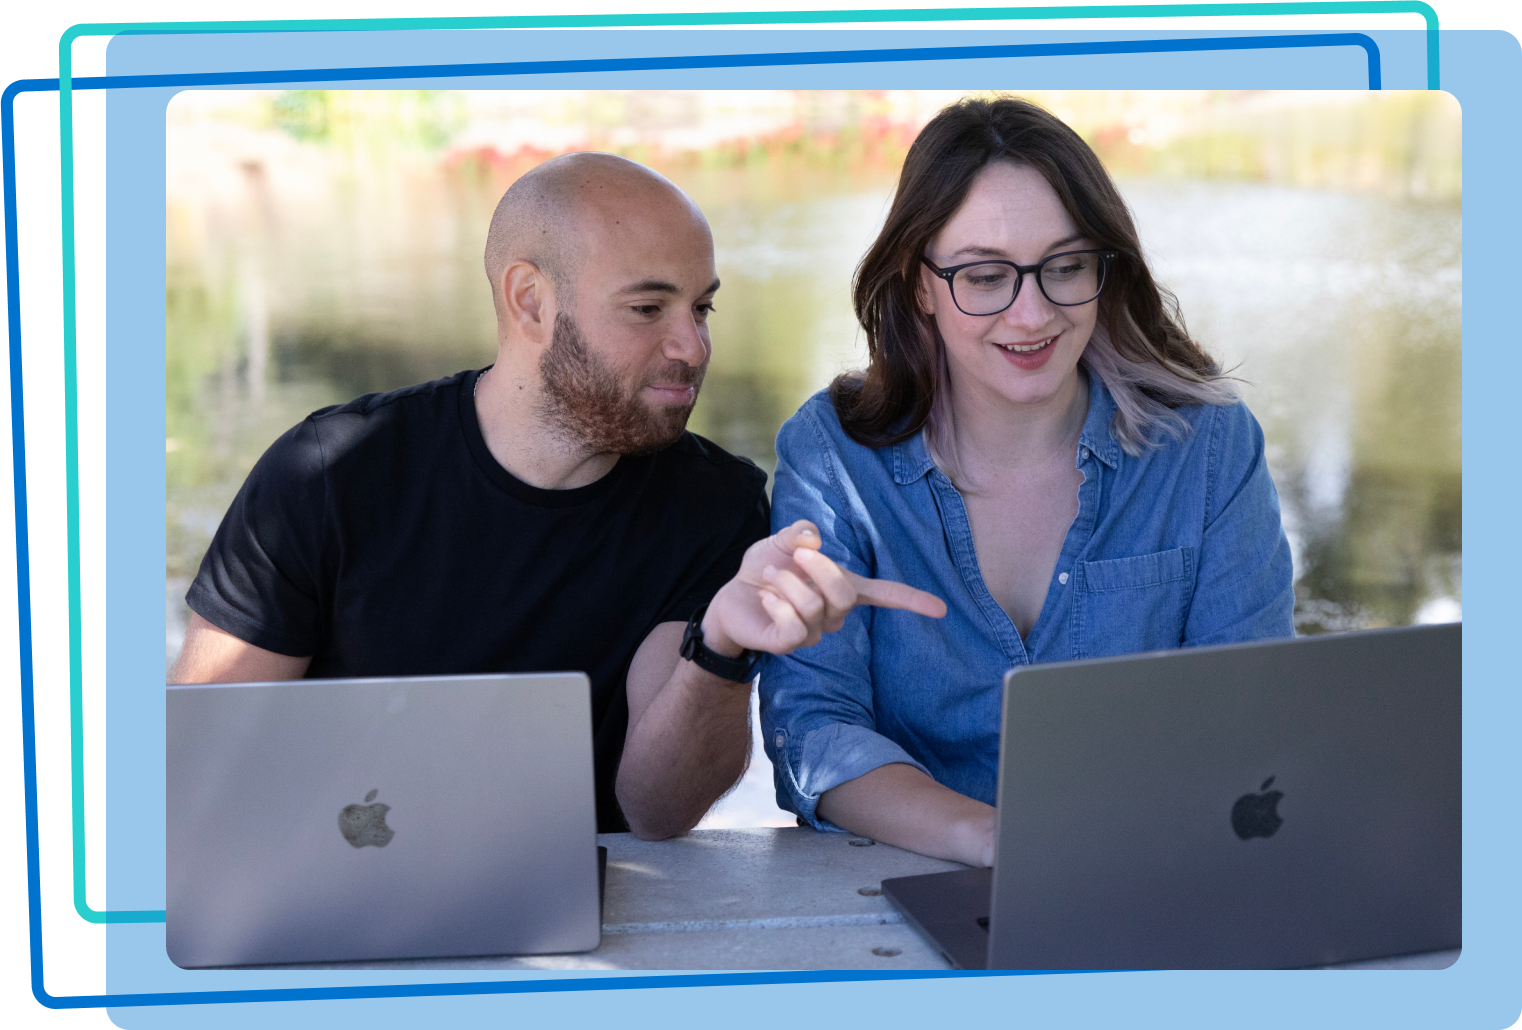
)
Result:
{"points": [[828, 756]]}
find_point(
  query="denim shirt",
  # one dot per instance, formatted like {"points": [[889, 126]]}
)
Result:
{"points": [[1180, 546]]}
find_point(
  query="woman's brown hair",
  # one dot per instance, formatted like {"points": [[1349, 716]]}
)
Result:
{"points": [[1139, 348]]}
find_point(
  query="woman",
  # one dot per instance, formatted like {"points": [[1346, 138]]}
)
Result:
{"points": [[1037, 441]]}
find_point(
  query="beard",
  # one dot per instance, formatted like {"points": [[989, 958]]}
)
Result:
{"points": [[585, 400]]}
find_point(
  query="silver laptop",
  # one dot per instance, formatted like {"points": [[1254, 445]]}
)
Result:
{"points": [[1272, 805], [331, 820]]}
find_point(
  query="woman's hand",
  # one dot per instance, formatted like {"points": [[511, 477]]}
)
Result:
{"points": [[787, 595]]}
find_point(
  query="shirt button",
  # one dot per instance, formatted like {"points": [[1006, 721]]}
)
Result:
{"points": [[1083, 453], [778, 738], [1062, 577]]}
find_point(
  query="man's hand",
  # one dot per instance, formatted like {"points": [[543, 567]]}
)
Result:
{"points": [[689, 731], [787, 595]]}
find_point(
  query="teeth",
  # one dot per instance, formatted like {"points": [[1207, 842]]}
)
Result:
{"points": [[1025, 350]]}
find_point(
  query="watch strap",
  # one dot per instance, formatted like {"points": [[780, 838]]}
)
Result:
{"points": [[738, 670]]}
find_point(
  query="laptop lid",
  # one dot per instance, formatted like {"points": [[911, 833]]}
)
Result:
{"points": [[330, 820], [1282, 804]]}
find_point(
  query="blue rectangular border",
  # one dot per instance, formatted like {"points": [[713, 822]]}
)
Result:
{"points": [[145, 989]]}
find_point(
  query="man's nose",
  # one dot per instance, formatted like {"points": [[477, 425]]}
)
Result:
{"points": [[688, 342]]}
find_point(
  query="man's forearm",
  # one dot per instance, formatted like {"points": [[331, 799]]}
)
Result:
{"points": [[689, 746]]}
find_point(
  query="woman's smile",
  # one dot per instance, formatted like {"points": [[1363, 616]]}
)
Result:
{"points": [[1011, 215], [1029, 355]]}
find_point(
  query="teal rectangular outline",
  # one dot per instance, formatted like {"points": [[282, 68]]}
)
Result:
{"points": [[66, 160], [66, 144]]}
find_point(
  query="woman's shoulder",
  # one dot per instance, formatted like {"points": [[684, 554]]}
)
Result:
{"points": [[1200, 426], [1213, 441], [1204, 443], [816, 423], [1224, 426], [814, 443]]}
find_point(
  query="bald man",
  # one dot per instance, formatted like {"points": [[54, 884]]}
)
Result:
{"points": [[547, 512]]}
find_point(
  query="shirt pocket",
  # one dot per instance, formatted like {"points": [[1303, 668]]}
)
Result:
{"points": [[1128, 605]]}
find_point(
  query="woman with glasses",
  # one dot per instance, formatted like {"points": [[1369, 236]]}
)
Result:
{"points": [[1035, 439]]}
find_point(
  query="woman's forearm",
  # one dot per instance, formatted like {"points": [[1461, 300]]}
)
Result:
{"points": [[899, 805]]}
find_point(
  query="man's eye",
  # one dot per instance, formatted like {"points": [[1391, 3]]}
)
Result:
{"points": [[704, 310], [647, 309]]}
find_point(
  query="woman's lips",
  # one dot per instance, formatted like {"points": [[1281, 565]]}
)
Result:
{"points": [[1028, 355], [1026, 348]]}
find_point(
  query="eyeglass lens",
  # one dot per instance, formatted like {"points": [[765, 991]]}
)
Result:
{"points": [[1064, 278]]}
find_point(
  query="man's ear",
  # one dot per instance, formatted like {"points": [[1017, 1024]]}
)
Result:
{"points": [[528, 300]]}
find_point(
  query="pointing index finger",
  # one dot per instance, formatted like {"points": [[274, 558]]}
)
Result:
{"points": [[885, 593]]}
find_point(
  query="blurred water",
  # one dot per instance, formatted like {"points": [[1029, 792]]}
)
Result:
{"points": [[1341, 312]]}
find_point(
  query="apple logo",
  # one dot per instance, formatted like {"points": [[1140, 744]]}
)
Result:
{"points": [[1256, 815], [364, 825]]}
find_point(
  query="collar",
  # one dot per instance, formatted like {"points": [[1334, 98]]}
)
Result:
{"points": [[911, 458], [1096, 427]]}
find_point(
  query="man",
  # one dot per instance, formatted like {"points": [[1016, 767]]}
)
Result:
{"points": [[549, 512]]}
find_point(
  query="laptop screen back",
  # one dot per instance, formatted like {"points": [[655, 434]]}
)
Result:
{"points": [[365, 819], [1253, 806]]}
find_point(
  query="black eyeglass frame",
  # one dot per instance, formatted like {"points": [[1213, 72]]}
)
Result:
{"points": [[1105, 257]]}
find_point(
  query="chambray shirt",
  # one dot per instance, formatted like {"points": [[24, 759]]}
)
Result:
{"points": [[1181, 546]]}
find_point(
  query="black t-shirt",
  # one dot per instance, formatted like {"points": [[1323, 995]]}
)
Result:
{"points": [[382, 538]]}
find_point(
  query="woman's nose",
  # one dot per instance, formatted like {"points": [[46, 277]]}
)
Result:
{"points": [[1031, 309]]}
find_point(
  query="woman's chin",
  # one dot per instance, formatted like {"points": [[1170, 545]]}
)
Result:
{"points": [[1054, 380]]}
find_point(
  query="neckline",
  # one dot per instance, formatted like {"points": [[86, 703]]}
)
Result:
{"points": [[510, 484]]}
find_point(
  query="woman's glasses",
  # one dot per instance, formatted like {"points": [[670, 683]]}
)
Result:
{"points": [[988, 287]]}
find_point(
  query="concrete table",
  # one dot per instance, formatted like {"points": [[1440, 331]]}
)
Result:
{"points": [[754, 899]]}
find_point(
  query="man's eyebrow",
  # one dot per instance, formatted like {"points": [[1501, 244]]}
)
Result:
{"points": [[652, 286], [662, 286], [978, 251]]}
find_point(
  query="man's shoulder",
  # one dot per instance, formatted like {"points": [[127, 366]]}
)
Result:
{"points": [[697, 456], [437, 392], [372, 420]]}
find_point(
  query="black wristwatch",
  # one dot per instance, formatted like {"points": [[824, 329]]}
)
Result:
{"points": [[740, 670]]}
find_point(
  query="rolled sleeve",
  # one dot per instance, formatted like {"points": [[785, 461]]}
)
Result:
{"points": [[816, 703], [826, 757]]}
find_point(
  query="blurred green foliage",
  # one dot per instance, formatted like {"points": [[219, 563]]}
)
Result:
{"points": [[202, 339], [424, 118], [1399, 144]]}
